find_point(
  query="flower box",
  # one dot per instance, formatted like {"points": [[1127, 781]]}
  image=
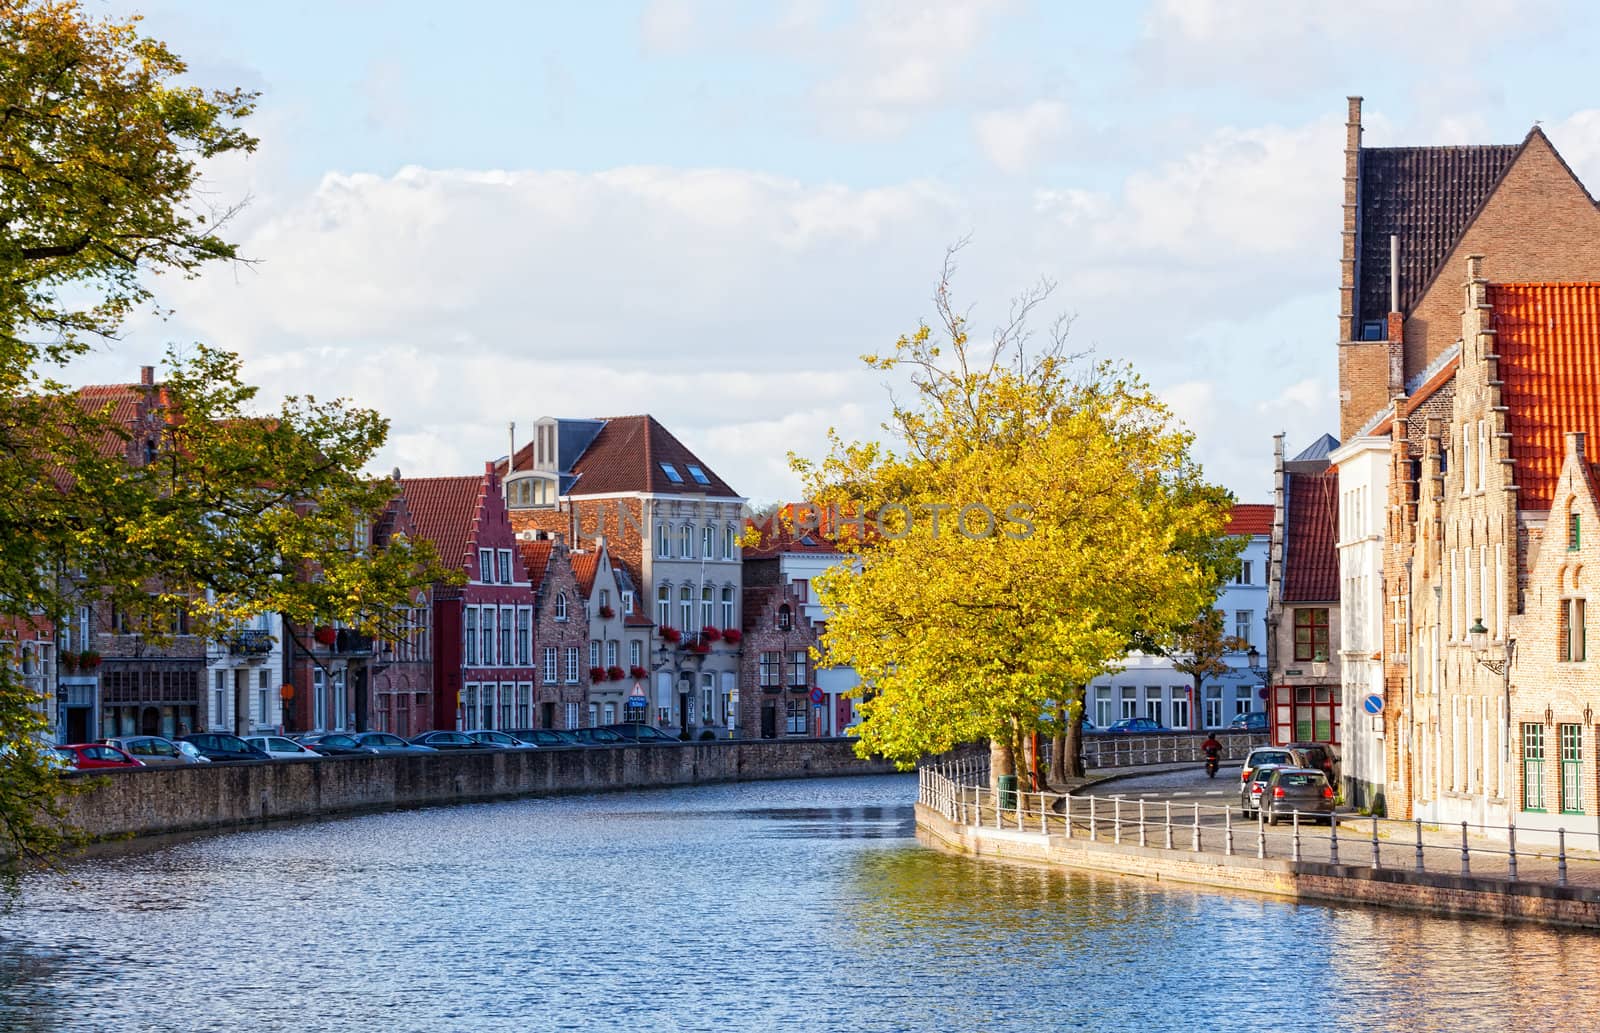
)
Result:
{"points": [[616, 673], [732, 635], [69, 661], [597, 674], [638, 672], [606, 613], [710, 634], [671, 635], [88, 660], [325, 636]]}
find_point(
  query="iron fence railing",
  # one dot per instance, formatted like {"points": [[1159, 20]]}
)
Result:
{"points": [[960, 791]]}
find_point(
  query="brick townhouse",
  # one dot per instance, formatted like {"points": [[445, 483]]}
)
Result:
{"points": [[561, 632]]}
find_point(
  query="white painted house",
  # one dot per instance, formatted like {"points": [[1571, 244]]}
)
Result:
{"points": [[1363, 469]]}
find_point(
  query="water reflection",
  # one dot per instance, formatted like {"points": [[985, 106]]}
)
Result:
{"points": [[768, 906]]}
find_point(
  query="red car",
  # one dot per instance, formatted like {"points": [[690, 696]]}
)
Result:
{"points": [[97, 755]]}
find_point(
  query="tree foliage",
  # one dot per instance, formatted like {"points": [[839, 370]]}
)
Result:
{"points": [[1198, 648], [1105, 530], [215, 505]]}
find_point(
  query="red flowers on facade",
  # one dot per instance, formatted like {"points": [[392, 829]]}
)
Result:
{"points": [[597, 674], [638, 672], [710, 634], [731, 635], [326, 636], [671, 634], [615, 673]]}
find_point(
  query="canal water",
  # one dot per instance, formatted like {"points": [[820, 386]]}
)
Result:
{"points": [[806, 905]]}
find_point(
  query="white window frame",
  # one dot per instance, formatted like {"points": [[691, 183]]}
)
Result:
{"points": [[572, 665], [552, 671]]}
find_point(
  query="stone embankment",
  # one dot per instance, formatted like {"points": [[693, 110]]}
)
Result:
{"points": [[162, 800]]}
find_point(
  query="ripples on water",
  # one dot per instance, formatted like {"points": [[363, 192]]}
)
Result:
{"points": [[769, 906]]}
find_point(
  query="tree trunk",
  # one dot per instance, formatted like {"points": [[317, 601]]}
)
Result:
{"points": [[1001, 762], [1058, 747]]}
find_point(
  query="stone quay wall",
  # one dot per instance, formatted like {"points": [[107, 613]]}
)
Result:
{"points": [[162, 800], [1432, 892]]}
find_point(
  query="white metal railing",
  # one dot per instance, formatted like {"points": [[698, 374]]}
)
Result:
{"points": [[959, 790]]}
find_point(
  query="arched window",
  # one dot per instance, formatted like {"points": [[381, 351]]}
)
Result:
{"points": [[785, 618], [664, 606], [561, 606]]}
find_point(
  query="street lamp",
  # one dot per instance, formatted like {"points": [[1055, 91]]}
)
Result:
{"points": [[1478, 642]]}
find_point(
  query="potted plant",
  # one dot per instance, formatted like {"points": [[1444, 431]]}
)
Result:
{"points": [[326, 635], [615, 673], [606, 613], [69, 661], [638, 672], [670, 634], [88, 659], [710, 634], [597, 674], [732, 636]]}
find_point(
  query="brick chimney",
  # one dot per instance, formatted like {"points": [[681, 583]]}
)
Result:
{"points": [[147, 376]]}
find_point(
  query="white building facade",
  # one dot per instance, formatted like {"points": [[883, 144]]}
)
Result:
{"points": [[1363, 471]]}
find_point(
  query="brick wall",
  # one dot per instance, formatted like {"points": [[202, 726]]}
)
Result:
{"points": [[551, 698]]}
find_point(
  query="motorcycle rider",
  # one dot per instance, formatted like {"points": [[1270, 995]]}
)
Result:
{"points": [[1213, 751]]}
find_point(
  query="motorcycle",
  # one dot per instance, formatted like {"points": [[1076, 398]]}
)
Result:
{"points": [[1211, 765]]}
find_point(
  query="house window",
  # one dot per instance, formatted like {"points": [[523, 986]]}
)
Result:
{"points": [[795, 717], [785, 618], [635, 653], [524, 705], [686, 607], [1102, 706], [802, 590], [1571, 769], [672, 473], [1466, 459], [505, 566], [486, 628], [1574, 529], [627, 602], [1311, 634], [1533, 767], [686, 542], [561, 606], [797, 668], [664, 606], [613, 651], [507, 615], [550, 665], [708, 605], [508, 699], [1242, 619], [771, 670], [1130, 702], [572, 715], [1180, 709], [1152, 703], [1572, 636], [663, 541], [471, 636], [524, 636], [727, 608], [730, 542], [1483, 453], [468, 715], [572, 665], [698, 474], [605, 599], [1213, 706], [708, 701], [1243, 577], [610, 713], [594, 653], [486, 566], [707, 540]]}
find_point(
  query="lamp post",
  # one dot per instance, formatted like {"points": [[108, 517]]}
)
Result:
{"points": [[1478, 640]]}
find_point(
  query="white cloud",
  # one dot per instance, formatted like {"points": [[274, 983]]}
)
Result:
{"points": [[666, 26], [1577, 137], [1015, 138]]}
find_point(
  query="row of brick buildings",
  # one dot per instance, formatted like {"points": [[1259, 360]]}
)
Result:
{"points": [[606, 578], [1445, 551]]}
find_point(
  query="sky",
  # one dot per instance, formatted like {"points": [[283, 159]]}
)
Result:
{"points": [[470, 215]]}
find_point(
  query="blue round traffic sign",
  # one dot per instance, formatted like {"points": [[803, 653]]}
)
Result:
{"points": [[816, 695], [1373, 704]]}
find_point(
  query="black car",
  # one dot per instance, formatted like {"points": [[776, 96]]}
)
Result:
{"points": [[388, 742], [546, 738], [443, 740], [1317, 755], [336, 744], [598, 737], [219, 746], [641, 733]]}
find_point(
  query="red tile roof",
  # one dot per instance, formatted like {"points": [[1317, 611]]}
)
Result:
{"points": [[444, 510], [781, 533], [585, 565], [1548, 339], [1311, 559], [536, 557], [1251, 518], [626, 455]]}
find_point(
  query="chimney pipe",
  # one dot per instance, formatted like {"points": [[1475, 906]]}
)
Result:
{"points": [[511, 462], [147, 376], [1394, 272]]}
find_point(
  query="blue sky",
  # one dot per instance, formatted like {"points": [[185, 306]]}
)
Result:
{"points": [[467, 215]]}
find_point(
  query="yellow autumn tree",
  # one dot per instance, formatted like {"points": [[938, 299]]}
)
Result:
{"points": [[1028, 519]]}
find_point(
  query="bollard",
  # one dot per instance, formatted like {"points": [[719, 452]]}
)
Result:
{"points": [[1466, 863], [1295, 815], [1261, 834], [1116, 819], [1419, 845], [1561, 857], [1141, 823], [1067, 802], [1374, 841], [1044, 828], [1093, 830], [1227, 828], [1019, 808], [1333, 839], [1511, 854], [977, 803], [1169, 824], [999, 811], [1197, 828]]}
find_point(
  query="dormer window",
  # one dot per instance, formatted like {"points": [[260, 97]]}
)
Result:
{"points": [[698, 474], [785, 618], [561, 606], [672, 473]]}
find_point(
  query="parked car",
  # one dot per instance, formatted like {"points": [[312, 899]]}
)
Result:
{"points": [[388, 742], [642, 733], [1250, 789], [219, 746], [190, 750], [444, 740], [1317, 755], [1255, 721], [497, 740], [546, 738], [1283, 756], [598, 737], [1136, 726], [336, 744], [280, 747], [1305, 790], [87, 755], [153, 750]]}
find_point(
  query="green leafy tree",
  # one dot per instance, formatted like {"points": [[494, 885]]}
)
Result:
{"points": [[1198, 649], [221, 507]]}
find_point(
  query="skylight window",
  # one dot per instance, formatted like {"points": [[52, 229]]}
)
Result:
{"points": [[698, 474], [672, 473]]}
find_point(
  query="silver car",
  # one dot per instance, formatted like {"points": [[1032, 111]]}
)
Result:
{"points": [[1302, 790], [154, 750], [1250, 789]]}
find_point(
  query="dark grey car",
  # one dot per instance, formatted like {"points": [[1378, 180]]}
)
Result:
{"points": [[1289, 790]]}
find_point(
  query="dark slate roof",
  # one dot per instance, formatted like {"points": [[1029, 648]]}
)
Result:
{"points": [[626, 456], [1311, 559], [1427, 196], [1318, 450]]}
